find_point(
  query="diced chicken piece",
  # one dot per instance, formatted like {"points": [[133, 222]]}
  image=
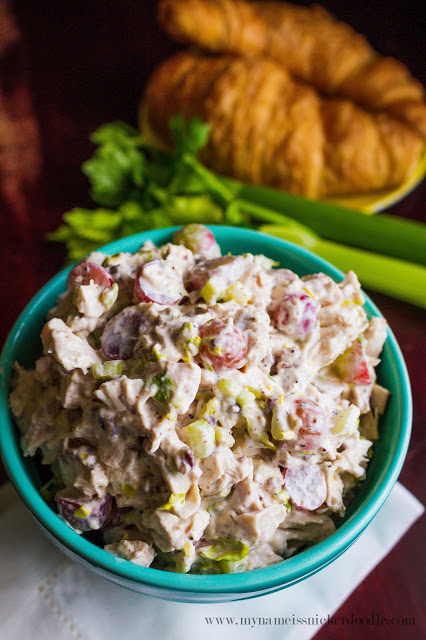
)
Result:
{"points": [[247, 496], [352, 460], [122, 393], [129, 398], [186, 378], [338, 330], [76, 389], [36, 436], [339, 327], [25, 397], [255, 325], [125, 265], [264, 556], [191, 504], [47, 371], [303, 525], [369, 425], [340, 323], [322, 288], [221, 470], [82, 326], [180, 254], [379, 398], [139, 475], [92, 300], [375, 334], [95, 483], [176, 462], [284, 280], [45, 425], [360, 397], [136, 551], [351, 288], [68, 349], [98, 257], [175, 530], [259, 526], [268, 475], [334, 498]]}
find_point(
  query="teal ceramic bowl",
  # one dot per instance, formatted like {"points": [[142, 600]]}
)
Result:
{"points": [[24, 346]]}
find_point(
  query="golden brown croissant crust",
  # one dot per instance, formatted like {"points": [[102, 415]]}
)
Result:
{"points": [[309, 42], [267, 128]]}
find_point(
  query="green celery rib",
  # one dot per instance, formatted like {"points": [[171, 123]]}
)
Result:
{"points": [[381, 233], [397, 278], [266, 215]]}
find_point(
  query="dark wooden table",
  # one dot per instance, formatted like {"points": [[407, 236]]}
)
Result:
{"points": [[65, 68]]}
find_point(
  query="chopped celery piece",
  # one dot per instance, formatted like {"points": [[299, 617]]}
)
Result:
{"points": [[238, 292], [109, 296], [226, 549], [175, 499], [96, 337], [255, 418], [229, 387], [224, 437], [346, 422], [165, 387], [157, 353], [131, 517], [246, 398], [213, 290], [48, 490], [128, 489], [189, 341], [153, 356], [106, 370], [256, 392], [280, 423], [82, 512], [212, 406], [283, 497], [200, 437], [227, 566]]}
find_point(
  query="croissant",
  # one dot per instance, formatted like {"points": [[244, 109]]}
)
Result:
{"points": [[267, 128], [309, 42]]}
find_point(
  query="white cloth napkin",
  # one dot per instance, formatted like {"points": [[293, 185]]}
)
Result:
{"points": [[45, 596]]}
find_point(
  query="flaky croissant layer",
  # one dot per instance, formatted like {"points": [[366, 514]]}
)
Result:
{"points": [[309, 42], [267, 128]]}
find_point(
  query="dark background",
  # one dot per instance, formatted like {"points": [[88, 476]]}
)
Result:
{"points": [[71, 66]]}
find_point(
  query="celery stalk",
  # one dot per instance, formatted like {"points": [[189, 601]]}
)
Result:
{"points": [[381, 233], [212, 181], [397, 278], [258, 212]]}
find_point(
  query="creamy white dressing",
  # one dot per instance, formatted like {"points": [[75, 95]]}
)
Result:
{"points": [[172, 425]]}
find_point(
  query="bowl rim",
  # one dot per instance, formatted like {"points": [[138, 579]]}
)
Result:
{"points": [[274, 576]]}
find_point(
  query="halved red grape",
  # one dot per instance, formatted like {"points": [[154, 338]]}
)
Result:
{"points": [[223, 345], [229, 268], [158, 281], [310, 421], [352, 365], [84, 272], [122, 332], [84, 513], [199, 239], [303, 420], [296, 315], [306, 486]]}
